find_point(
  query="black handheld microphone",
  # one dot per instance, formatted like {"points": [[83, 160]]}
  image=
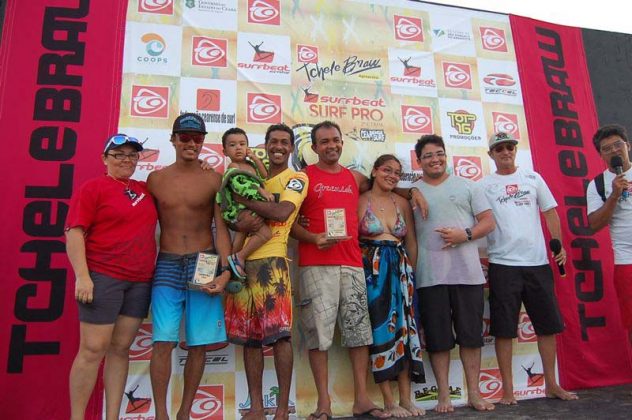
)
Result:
{"points": [[556, 247], [616, 163]]}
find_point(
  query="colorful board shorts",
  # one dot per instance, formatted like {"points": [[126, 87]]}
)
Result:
{"points": [[170, 298], [261, 313], [331, 293]]}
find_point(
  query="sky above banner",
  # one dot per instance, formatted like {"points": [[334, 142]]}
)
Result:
{"points": [[606, 17]]}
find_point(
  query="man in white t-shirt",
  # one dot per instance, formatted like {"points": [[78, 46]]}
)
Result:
{"points": [[449, 275], [614, 207], [519, 270]]}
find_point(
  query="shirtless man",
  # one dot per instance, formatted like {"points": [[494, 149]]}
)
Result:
{"points": [[185, 197]]}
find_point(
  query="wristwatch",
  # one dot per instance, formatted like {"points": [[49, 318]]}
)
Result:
{"points": [[468, 232]]}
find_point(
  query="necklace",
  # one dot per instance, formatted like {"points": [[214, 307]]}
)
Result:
{"points": [[127, 191]]}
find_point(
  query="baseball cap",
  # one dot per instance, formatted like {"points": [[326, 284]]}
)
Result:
{"points": [[501, 137], [189, 122], [121, 139]]}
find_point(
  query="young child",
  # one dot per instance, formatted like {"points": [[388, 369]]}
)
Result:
{"points": [[244, 178]]}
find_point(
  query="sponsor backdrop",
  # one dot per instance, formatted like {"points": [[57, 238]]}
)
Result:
{"points": [[386, 71]]}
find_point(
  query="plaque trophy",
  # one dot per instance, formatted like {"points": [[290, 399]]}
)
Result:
{"points": [[205, 269], [335, 224]]}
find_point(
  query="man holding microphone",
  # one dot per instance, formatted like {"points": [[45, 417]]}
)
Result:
{"points": [[519, 270], [608, 203]]}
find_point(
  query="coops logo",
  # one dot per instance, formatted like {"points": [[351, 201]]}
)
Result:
{"points": [[264, 108], [154, 44], [507, 123], [141, 346], [150, 101], [469, 167], [408, 28], [208, 402], [490, 384], [457, 75], [160, 7], [493, 39], [266, 12], [417, 119], [210, 52]]}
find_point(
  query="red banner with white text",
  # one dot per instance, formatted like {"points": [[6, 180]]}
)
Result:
{"points": [[561, 119], [59, 100]]}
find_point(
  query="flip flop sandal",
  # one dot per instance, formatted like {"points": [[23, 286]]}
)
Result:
{"points": [[235, 265]]}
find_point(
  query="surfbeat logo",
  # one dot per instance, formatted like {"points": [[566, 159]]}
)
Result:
{"points": [[214, 156], [142, 344], [264, 108], [150, 101], [137, 405], [469, 167], [266, 12], [161, 7], [490, 384], [507, 123], [307, 54], [308, 95], [493, 39], [417, 119], [457, 75], [154, 44], [207, 99], [526, 333], [208, 402], [210, 52], [408, 28]]}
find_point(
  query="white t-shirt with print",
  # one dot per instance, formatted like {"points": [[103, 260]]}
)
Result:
{"points": [[621, 222], [517, 200]]}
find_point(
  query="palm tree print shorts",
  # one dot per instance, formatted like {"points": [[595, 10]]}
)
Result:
{"points": [[261, 313]]}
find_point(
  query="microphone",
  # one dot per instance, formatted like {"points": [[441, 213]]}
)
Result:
{"points": [[616, 163], [556, 247]]}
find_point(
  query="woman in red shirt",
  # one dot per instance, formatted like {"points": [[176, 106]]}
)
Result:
{"points": [[111, 245]]}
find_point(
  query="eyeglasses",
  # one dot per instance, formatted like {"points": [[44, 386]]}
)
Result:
{"points": [[120, 139], [428, 156], [617, 145], [122, 156], [198, 138], [507, 146], [390, 172]]}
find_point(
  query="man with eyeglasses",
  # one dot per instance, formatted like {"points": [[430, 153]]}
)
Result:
{"points": [[519, 270], [449, 274], [614, 207], [185, 198]]}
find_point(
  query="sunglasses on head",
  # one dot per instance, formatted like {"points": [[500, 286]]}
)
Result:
{"points": [[198, 138], [509, 146], [120, 139]]}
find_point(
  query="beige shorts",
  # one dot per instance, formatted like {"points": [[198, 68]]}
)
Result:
{"points": [[329, 293]]}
